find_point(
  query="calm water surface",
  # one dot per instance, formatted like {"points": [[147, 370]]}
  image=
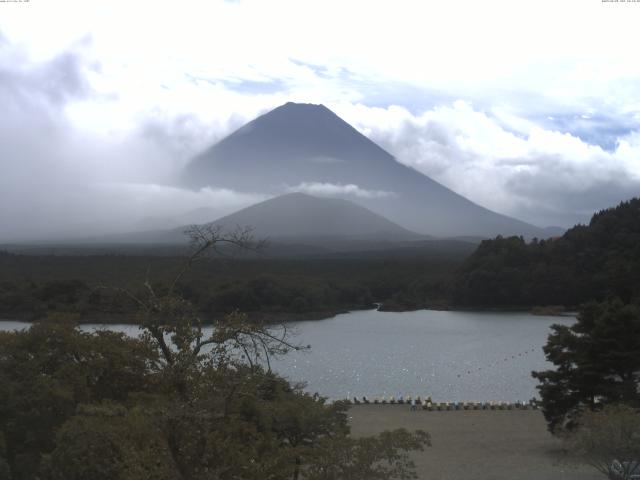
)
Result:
{"points": [[452, 356]]}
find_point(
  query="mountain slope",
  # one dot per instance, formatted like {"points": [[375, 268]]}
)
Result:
{"points": [[298, 145], [297, 215], [291, 219]]}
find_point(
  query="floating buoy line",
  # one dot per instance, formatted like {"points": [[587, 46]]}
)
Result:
{"points": [[506, 359], [425, 403]]}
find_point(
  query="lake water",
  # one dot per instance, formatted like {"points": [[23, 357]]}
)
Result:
{"points": [[452, 356]]}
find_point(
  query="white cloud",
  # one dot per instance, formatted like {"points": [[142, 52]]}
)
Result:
{"points": [[539, 175], [337, 190], [126, 92], [78, 210], [568, 53], [140, 199], [63, 180]]}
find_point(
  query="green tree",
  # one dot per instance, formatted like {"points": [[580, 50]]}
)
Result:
{"points": [[46, 371], [5, 472], [597, 361], [587, 263], [176, 402]]}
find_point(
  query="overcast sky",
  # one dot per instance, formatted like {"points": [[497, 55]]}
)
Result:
{"points": [[530, 108]]}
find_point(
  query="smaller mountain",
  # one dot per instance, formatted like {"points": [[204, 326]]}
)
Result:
{"points": [[299, 216], [294, 218]]}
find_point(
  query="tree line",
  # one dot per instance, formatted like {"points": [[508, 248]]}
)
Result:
{"points": [[33, 286], [588, 263]]}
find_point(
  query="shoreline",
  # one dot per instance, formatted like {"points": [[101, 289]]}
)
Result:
{"points": [[271, 318], [268, 318]]}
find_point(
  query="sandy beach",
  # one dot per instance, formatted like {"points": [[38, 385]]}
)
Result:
{"points": [[477, 444]]}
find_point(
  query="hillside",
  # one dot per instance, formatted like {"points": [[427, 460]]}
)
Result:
{"points": [[293, 218], [297, 215], [589, 262], [302, 146]]}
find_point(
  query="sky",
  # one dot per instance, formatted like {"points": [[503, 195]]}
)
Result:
{"points": [[529, 108]]}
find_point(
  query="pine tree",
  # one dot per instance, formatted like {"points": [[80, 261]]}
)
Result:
{"points": [[597, 362]]}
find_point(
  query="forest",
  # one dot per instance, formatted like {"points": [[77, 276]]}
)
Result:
{"points": [[31, 286], [589, 262]]}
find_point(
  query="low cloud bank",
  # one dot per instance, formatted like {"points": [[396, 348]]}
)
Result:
{"points": [[62, 178], [338, 190]]}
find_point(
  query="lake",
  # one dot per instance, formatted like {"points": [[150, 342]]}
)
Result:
{"points": [[452, 356]]}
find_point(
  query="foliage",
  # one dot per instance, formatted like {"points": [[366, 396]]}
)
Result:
{"points": [[587, 263], [31, 286], [173, 403], [609, 440], [374, 458], [47, 371], [597, 361], [5, 472]]}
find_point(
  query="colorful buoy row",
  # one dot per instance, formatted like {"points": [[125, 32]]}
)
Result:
{"points": [[425, 403]]}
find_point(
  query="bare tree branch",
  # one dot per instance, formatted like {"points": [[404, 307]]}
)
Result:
{"points": [[175, 327]]}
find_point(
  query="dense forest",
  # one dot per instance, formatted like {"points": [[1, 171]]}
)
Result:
{"points": [[32, 286], [589, 262]]}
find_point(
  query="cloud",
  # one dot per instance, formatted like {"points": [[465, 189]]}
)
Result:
{"points": [[171, 200], [545, 129], [540, 175], [337, 190], [93, 209], [62, 180], [255, 87]]}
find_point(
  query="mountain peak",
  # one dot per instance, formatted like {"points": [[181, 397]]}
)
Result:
{"points": [[300, 116], [297, 112], [290, 137], [301, 106], [307, 147]]}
